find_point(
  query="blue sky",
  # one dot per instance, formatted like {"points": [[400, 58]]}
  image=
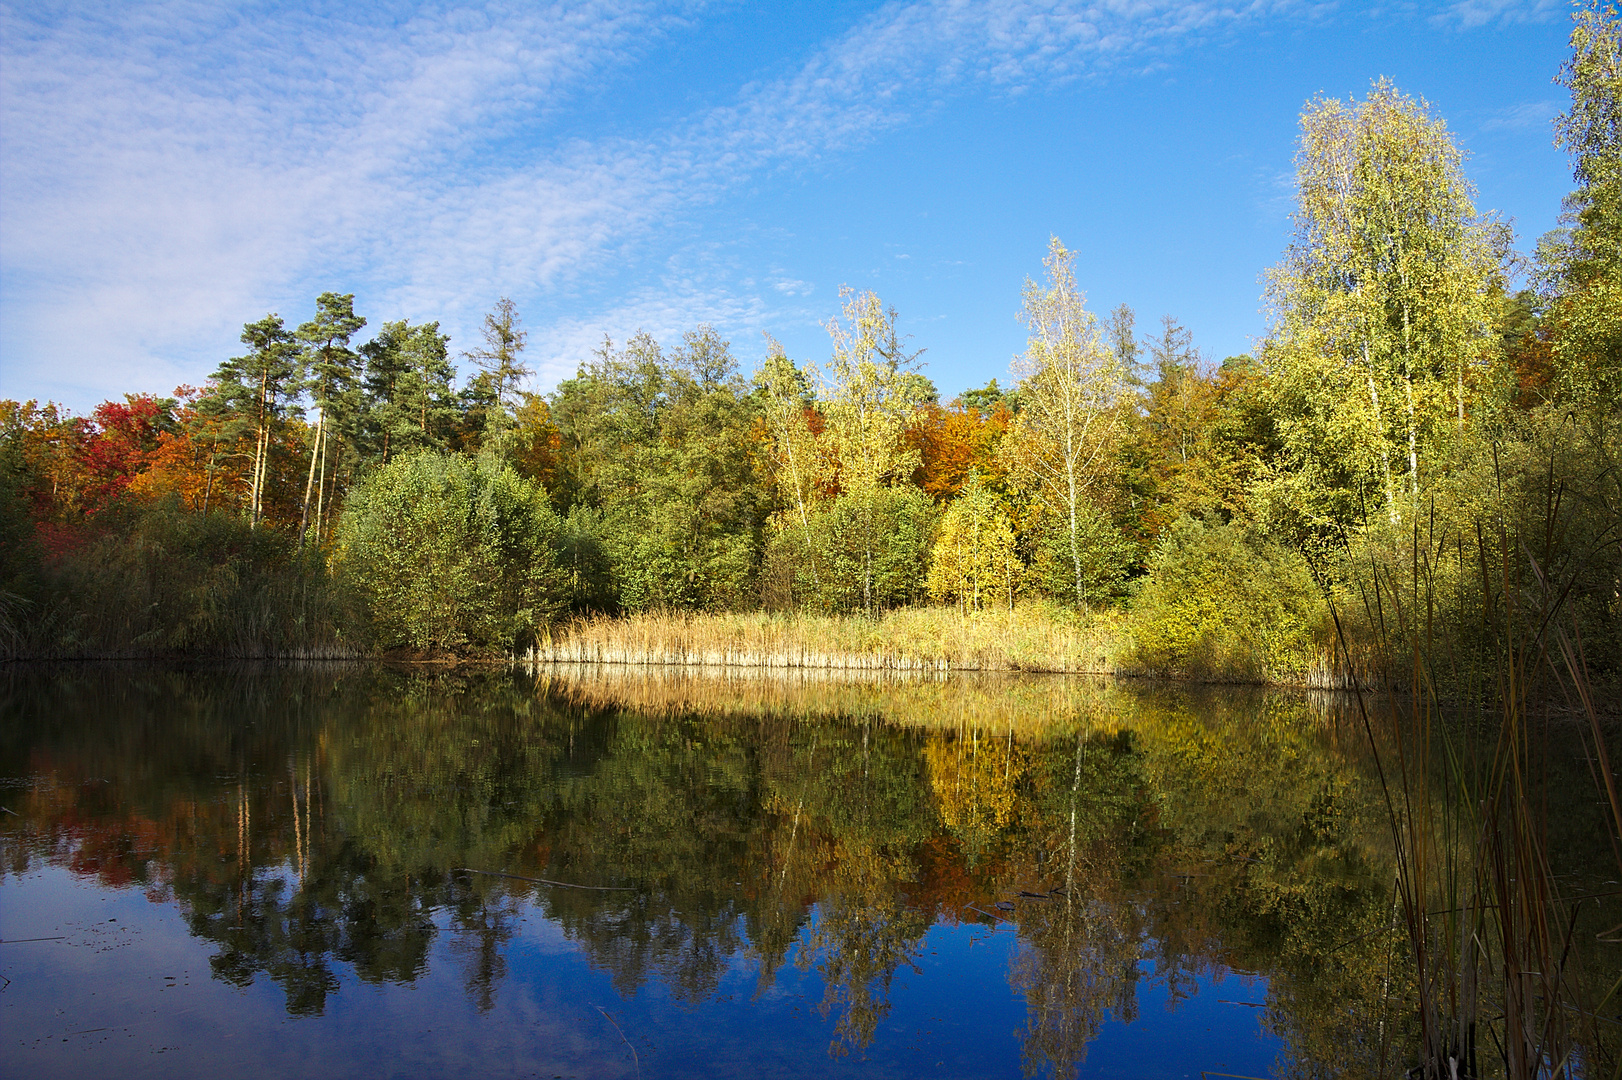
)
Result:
{"points": [[169, 171]]}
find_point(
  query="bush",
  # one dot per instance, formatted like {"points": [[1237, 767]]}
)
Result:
{"points": [[1220, 603], [452, 554], [1517, 542]]}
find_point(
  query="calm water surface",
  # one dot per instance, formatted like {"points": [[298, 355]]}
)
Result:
{"points": [[299, 872]]}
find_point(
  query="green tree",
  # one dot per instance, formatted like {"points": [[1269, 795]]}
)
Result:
{"points": [[664, 450], [1053, 543], [451, 553], [1383, 308], [499, 361], [874, 550], [409, 401], [1591, 132], [1581, 264], [785, 395], [868, 392], [1120, 331]]}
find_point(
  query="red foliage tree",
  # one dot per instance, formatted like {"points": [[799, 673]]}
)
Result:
{"points": [[116, 445]]}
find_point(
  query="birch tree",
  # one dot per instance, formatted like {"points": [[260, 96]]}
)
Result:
{"points": [[1581, 264], [1382, 308], [1073, 387], [974, 559], [1591, 132], [785, 394]]}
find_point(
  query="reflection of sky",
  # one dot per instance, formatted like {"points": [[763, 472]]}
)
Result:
{"points": [[101, 1002]]}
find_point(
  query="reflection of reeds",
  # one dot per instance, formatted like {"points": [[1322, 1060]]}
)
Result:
{"points": [[988, 702], [1491, 930], [1029, 638]]}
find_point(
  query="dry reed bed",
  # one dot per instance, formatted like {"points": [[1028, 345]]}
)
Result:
{"points": [[917, 640], [1031, 638]]}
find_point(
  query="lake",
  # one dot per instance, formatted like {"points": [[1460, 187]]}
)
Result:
{"points": [[339, 871]]}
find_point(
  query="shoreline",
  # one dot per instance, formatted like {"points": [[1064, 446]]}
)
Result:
{"points": [[1030, 639]]}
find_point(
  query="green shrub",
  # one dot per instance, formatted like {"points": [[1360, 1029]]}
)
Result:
{"points": [[1220, 603], [1519, 540], [452, 554]]}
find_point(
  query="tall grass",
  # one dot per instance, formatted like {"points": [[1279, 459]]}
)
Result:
{"points": [[161, 582], [1495, 667], [1031, 637]]}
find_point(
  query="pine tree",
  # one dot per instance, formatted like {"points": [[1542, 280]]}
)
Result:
{"points": [[331, 374], [255, 390]]}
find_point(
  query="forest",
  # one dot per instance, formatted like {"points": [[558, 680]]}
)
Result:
{"points": [[1424, 444]]}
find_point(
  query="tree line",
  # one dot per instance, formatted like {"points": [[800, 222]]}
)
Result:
{"points": [[1405, 394]]}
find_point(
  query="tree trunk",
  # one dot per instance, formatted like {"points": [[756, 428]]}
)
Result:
{"points": [[1385, 449], [315, 449], [321, 486]]}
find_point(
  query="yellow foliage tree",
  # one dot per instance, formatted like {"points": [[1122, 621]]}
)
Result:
{"points": [[974, 559]]}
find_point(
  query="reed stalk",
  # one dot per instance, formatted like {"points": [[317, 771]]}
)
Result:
{"points": [[1463, 755]]}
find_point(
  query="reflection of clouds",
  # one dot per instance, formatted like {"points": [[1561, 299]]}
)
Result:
{"points": [[172, 169], [545, 938]]}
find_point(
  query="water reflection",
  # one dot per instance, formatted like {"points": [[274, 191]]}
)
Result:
{"points": [[313, 822]]}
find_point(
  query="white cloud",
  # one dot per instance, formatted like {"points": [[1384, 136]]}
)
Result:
{"points": [[1469, 14], [170, 170], [1525, 115]]}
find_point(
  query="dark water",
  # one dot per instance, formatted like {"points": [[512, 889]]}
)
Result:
{"points": [[266, 872]]}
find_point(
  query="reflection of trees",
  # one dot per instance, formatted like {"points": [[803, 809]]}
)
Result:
{"points": [[484, 924], [868, 806], [1077, 965], [974, 777], [857, 944], [1077, 956], [305, 821]]}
